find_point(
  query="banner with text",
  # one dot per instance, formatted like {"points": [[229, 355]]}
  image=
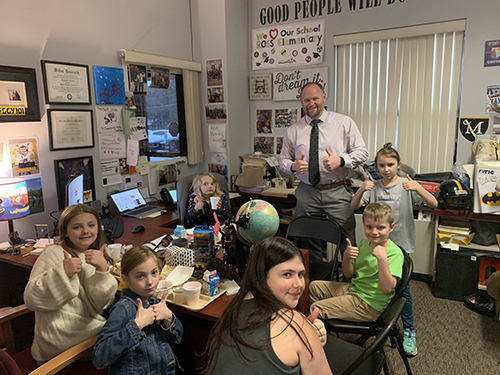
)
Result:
{"points": [[283, 45], [287, 84]]}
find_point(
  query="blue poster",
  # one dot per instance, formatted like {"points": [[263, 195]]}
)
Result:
{"points": [[109, 85], [492, 53]]}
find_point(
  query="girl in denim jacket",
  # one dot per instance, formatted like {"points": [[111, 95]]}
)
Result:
{"points": [[136, 337]]}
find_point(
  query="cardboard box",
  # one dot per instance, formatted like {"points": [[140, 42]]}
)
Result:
{"points": [[487, 187]]}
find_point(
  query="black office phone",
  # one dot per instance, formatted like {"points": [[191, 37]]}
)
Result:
{"points": [[167, 199]]}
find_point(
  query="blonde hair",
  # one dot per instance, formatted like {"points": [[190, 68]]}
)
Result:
{"points": [[197, 186], [70, 213], [379, 211], [137, 256], [389, 152]]}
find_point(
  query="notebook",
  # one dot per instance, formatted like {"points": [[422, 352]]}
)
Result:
{"points": [[132, 203]]}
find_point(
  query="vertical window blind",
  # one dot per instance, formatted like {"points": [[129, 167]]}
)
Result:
{"points": [[402, 86]]}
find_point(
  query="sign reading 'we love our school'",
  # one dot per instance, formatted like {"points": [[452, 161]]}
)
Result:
{"points": [[288, 45]]}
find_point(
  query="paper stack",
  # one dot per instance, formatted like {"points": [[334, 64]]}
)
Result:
{"points": [[455, 231]]}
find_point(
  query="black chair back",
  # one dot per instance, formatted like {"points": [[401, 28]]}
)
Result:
{"points": [[318, 228], [355, 359]]}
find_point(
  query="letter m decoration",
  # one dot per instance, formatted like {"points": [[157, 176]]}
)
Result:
{"points": [[472, 126]]}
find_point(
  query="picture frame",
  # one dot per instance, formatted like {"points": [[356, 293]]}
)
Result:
{"points": [[67, 170], [70, 129], [66, 83], [261, 86], [18, 95]]}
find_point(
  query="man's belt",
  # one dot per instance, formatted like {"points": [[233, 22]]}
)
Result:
{"points": [[329, 186]]}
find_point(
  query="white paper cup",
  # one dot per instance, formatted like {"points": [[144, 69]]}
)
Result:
{"points": [[115, 251], [214, 201], [192, 293]]}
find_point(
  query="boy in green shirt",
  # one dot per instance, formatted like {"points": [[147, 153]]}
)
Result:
{"points": [[375, 265]]}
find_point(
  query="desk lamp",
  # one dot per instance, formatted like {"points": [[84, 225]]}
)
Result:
{"points": [[14, 204]]}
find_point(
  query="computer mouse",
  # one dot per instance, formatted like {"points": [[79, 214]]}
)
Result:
{"points": [[138, 229]]}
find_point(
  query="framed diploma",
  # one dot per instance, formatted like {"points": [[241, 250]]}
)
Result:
{"points": [[18, 94], [66, 83], [70, 129]]}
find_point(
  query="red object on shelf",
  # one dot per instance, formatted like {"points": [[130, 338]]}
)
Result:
{"points": [[484, 263], [431, 187]]}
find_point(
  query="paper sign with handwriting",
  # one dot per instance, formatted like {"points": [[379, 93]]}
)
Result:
{"points": [[217, 137]]}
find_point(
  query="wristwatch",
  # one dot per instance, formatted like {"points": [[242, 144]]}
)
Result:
{"points": [[342, 161]]}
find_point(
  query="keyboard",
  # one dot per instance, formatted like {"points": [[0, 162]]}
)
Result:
{"points": [[115, 226]]}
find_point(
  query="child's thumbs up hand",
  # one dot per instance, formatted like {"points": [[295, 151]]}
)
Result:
{"points": [[144, 317], [352, 251], [410, 185], [367, 184], [162, 312], [96, 258], [380, 250], [71, 265]]}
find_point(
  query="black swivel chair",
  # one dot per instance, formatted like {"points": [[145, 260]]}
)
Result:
{"points": [[183, 187], [347, 358], [345, 326], [319, 228]]}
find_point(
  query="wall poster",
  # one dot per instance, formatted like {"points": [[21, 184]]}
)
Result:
{"points": [[280, 46]]}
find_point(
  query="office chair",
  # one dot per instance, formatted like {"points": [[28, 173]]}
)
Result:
{"points": [[319, 228], [347, 358], [17, 360], [183, 187], [345, 326]]}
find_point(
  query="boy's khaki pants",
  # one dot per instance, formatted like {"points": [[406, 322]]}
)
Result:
{"points": [[336, 302]]}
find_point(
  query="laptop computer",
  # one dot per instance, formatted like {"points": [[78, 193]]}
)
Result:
{"points": [[132, 203]]}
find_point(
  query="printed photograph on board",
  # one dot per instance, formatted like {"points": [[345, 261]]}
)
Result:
{"points": [[283, 118], [218, 168], [215, 94], [264, 120], [216, 113], [214, 72], [264, 145]]}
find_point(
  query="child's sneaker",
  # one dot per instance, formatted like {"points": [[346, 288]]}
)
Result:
{"points": [[410, 342]]}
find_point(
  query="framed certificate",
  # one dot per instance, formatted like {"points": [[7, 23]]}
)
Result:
{"points": [[66, 83], [70, 129], [18, 94]]}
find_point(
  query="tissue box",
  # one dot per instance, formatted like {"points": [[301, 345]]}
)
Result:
{"points": [[210, 285]]}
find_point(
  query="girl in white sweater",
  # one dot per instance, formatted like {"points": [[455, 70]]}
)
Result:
{"points": [[70, 285]]}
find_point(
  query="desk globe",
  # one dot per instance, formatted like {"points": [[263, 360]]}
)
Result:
{"points": [[263, 221]]}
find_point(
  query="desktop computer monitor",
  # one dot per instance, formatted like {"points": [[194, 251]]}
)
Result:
{"points": [[75, 191]]}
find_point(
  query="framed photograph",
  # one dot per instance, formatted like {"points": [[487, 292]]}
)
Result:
{"points": [[18, 95], [70, 129], [66, 83], [261, 86], [67, 170]]}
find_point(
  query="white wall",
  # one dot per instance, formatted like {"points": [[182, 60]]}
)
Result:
{"points": [[220, 31], [86, 32], [482, 25]]}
